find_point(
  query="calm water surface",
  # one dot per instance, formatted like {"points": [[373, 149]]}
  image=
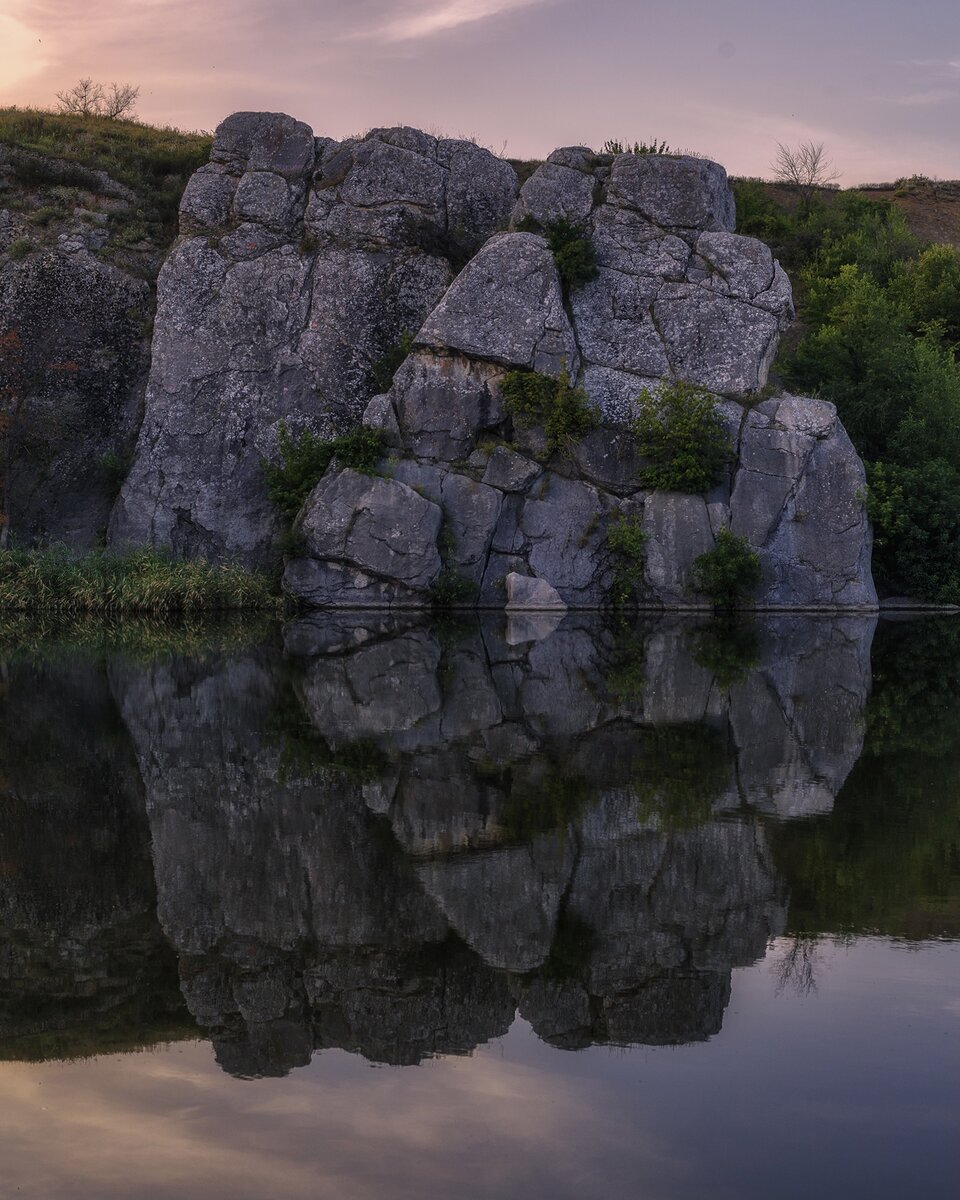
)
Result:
{"points": [[369, 908]]}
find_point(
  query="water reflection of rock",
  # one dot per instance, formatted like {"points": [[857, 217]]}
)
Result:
{"points": [[84, 967], [394, 839]]}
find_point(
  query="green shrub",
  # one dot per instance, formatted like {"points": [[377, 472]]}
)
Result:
{"points": [[113, 469], [450, 590], [19, 248], [683, 436], [389, 363], [304, 462], [627, 541], [916, 518], [136, 581], [563, 411], [729, 572], [573, 252], [612, 146]]}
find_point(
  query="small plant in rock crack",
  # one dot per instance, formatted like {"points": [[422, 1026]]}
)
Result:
{"points": [[627, 541], [729, 572], [562, 410]]}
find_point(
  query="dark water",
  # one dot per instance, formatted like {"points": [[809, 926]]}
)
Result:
{"points": [[658, 910]]}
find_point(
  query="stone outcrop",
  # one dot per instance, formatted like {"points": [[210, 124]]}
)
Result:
{"points": [[73, 360], [301, 262], [676, 296]]}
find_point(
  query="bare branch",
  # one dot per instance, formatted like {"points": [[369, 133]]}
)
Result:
{"points": [[120, 101], [84, 98], [804, 168]]}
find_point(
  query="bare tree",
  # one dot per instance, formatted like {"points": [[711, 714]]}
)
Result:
{"points": [[804, 168], [89, 99], [84, 98], [120, 101]]}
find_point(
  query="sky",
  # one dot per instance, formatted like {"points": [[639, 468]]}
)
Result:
{"points": [[877, 81]]}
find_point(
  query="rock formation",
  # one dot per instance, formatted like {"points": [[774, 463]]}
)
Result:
{"points": [[676, 296], [305, 266], [302, 261]]}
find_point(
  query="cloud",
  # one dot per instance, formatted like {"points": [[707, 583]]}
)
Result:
{"points": [[435, 18], [939, 95]]}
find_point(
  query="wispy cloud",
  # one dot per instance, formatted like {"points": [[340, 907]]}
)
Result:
{"points": [[940, 95], [427, 20]]}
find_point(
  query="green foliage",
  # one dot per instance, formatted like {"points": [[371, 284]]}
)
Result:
{"points": [[386, 367], [573, 252], [879, 336], [304, 461], [136, 581], [19, 248], [113, 469], [729, 572], [612, 146], [627, 541], [308, 244], [571, 246], [450, 590], [916, 516], [154, 162], [681, 433], [563, 411]]}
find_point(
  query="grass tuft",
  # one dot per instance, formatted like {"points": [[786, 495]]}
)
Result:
{"points": [[136, 581]]}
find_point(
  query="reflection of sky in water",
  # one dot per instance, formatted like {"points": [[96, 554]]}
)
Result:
{"points": [[848, 1090], [384, 844]]}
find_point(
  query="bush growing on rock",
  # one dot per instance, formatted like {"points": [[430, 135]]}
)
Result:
{"points": [[562, 410], [729, 572], [304, 461], [571, 247], [627, 541], [680, 431]]}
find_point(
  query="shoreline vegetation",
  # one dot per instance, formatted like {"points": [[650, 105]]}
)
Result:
{"points": [[139, 582]]}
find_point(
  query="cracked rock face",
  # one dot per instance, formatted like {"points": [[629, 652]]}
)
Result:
{"points": [[300, 264], [73, 358], [302, 261], [677, 295]]}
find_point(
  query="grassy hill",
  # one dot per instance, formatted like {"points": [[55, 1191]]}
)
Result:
{"points": [[123, 178]]}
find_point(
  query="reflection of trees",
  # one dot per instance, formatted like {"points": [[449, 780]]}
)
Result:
{"points": [[887, 858], [795, 969]]}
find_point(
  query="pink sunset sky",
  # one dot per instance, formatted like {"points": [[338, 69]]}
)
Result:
{"points": [[878, 81]]}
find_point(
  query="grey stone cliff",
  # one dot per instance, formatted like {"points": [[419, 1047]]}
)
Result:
{"points": [[301, 265], [301, 262], [677, 296]]}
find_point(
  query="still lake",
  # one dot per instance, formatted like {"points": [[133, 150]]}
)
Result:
{"points": [[361, 907]]}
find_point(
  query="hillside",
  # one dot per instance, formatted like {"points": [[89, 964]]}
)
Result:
{"points": [[112, 186]]}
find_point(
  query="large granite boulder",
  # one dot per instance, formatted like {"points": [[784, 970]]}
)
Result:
{"points": [[301, 263], [677, 296]]}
